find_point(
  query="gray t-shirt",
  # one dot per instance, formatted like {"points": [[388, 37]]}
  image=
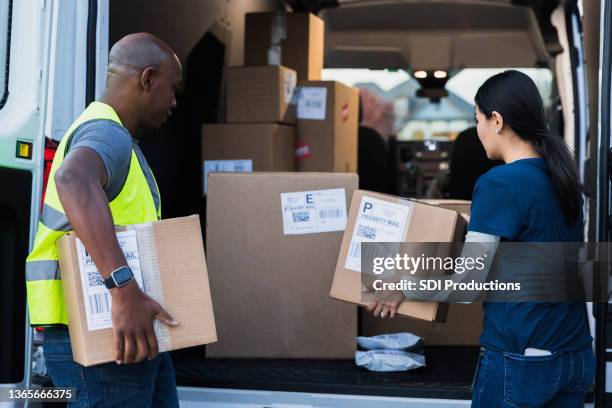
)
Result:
{"points": [[114, 144]]}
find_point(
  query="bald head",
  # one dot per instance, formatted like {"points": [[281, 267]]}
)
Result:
{"points": [[136, 52], [142, 78]]}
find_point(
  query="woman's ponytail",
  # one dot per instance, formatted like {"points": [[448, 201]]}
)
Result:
{"points": [[563, 172]]}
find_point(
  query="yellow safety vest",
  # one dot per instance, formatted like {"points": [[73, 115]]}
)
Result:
{"points": [[133, 205]]}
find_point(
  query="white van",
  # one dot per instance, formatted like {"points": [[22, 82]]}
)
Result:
{"points": [[53, 58]]}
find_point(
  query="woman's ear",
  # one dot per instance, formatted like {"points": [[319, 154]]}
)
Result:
{"points": [[499, 122]]}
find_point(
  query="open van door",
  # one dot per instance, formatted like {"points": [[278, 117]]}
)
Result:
{"points": [[24, 41], [603, 343], [53, 58]]}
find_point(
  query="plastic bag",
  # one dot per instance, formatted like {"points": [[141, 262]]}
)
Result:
{"points": [[389, 360], [395, 341]]}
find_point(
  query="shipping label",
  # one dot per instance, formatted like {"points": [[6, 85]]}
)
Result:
{"points": [[233, 166], [312, 103], [309, 212], [377, 221], [289, 85], [98, 301]]}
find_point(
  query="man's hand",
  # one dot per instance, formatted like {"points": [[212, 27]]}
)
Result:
{"points": [[387, 303], [133, 313]]}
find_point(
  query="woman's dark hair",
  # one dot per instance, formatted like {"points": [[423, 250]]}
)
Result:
{"points": [[516, 98]]}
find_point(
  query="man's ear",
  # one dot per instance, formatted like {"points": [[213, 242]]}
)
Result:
{"points": [[499, 121], [146, 78]]}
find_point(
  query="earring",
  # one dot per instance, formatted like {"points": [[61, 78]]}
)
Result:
{"points": [[499, 131]]}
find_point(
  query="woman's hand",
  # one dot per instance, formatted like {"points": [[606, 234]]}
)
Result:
{"points": [[387, 303]]}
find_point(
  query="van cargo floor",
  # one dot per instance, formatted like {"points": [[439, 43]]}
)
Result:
{"points": [[448, 375]]}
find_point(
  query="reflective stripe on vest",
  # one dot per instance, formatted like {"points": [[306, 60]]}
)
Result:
{"points": [[133, 205]]}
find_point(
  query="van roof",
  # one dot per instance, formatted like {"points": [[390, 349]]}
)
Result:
{"points": [[431, 35]]}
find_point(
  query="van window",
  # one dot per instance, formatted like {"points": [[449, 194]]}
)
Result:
{"points": [[5, 40], [391, 102]]}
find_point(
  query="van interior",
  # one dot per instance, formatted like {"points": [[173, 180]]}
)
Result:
{"points": [[466, 40]]}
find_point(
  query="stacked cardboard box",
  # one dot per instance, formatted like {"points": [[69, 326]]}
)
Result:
{"points": [[272, 245], [248, 147], [327, 127], [327, 111], [259, 135], [264, 94], [391, 219], [294, 40]]}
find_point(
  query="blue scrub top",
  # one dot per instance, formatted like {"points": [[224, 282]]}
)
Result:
{"points": [[517, 202]]}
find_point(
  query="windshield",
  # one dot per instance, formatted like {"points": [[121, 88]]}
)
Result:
{"points": [[391, 106]]}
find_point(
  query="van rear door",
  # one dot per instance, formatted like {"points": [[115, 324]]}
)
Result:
{"points": [[24, 41]]}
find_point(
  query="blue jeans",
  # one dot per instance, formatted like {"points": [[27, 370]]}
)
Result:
{"points": [[147, 384], [560, 380]]}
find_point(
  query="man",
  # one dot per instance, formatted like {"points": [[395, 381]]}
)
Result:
{"points": [[372, 155], [99, 178], [468, 162]]}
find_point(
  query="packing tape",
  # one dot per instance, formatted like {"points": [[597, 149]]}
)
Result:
{"points": [[274, 55], [279, 28], [278, 33], [151, 277]]}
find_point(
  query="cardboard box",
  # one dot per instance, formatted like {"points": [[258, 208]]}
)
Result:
{"points": [[327, 127], [463, 324], [462, 327], [247, 147], [461, 206], [270, 271], [301, 49], [409, 221], [261, 94], [168, 258]]}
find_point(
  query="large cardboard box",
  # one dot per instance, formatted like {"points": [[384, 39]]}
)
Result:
{"points": [[261, 94], [386, 218], [272, 245], [167, 258], [328, 114], [246, 148], [301, 46]]}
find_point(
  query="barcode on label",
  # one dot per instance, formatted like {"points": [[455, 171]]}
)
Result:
{"points": [[239, 167], [355, 250], [330, 213], [301, 216], [366, 232], [313, 104], [94, 279], [99, 303]]}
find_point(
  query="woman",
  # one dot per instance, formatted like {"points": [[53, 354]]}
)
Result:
{"points": [[533, 354]]}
